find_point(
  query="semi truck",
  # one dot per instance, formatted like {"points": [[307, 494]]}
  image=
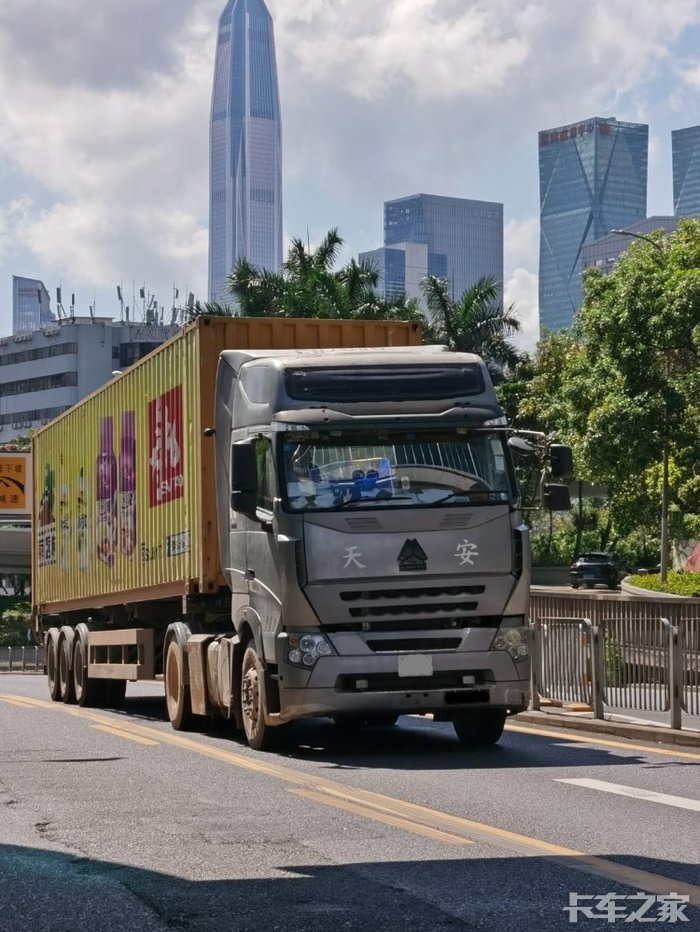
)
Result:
{"points": [[285, 519]]}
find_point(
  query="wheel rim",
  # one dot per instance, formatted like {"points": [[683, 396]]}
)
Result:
{"points": [[63, 666], [51, 663], [78, 673], [172, 683], [250, 698]]}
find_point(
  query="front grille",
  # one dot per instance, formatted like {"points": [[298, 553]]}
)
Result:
{"points": [[397, 645], [392, 682], [442, 607]]}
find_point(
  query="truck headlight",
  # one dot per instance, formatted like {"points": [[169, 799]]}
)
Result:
{"points": [[303, 650], [513, 637]]}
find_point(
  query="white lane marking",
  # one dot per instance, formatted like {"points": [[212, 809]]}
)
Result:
{"points": [[679, 802]]}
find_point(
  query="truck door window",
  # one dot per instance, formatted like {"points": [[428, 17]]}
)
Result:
{"points": [[266, 473]]}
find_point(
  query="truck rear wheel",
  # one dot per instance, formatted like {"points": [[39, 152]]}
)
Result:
{"points": [[52, 664], [253, 702], [177, 692], [89, 692], [479, 729], [65, 659]]}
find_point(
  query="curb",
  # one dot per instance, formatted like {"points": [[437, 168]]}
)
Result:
{"points": [[657, 734]]}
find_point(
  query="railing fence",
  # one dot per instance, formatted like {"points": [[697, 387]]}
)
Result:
{"points": [[617, 653], [22, 659]]}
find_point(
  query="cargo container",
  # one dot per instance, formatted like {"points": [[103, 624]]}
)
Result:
{"points": [[225, 513]]}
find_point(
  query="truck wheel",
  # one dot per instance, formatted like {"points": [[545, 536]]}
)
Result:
{"points": [[52, 665], [479, 729], [177, 692], [65, 677], [89, 692], [253, 704], [115, 693]]}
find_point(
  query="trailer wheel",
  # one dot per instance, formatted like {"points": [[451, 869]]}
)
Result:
{"points": [[177, 692], [52, 664], [479, 729], [253, 702], [65, 678], [115, 693], [89, 692]]}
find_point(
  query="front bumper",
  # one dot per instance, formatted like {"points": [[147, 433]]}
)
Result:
{"points": [[363, 684]]}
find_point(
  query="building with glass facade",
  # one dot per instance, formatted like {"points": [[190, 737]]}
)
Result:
{"points": [[593, 179], [245, 171], [605, 252], [463, 239], [685, 148], [31, 305]]}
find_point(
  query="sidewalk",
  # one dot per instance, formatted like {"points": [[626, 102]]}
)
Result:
{"points": [[640, 726]]}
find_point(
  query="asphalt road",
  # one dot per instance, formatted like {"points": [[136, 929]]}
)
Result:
{"points": [[111, 820]]}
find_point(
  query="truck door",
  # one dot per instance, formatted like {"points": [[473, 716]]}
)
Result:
{"points": [[262, 575]]}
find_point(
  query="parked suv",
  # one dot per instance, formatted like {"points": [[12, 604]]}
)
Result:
{"points": [[592, 569]]}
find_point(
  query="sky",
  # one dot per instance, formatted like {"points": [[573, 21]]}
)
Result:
{"points": [[104, 124]]}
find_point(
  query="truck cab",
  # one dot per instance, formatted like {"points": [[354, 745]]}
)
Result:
{"points": [[371, 536]]}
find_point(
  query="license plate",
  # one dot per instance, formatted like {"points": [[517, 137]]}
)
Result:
{"points": [[416, 665]]}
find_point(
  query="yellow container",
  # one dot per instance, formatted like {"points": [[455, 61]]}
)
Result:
{"points": [[124, 503]]}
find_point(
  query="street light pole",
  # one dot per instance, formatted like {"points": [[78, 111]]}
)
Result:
{"points": [[664, 561]]}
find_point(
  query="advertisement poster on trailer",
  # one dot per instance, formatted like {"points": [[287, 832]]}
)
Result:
{"points": [[114, 500]]}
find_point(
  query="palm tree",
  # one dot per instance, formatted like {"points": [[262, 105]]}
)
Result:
{"points": [[477, 323]]}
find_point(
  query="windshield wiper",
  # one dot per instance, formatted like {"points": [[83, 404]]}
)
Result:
{"points": [[343, 503]]}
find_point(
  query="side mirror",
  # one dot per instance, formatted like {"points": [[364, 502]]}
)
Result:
{"points": [[561, 461], [244, 479], [521, 447], [556, 497]]}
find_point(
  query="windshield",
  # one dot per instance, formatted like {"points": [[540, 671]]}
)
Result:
{"points": [[347, 469]]}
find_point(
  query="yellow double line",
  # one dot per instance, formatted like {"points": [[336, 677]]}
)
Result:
{"points": [[430, 823]]}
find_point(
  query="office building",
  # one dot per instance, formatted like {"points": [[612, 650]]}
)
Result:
{"points": [[44, 372], [605, 252], [449, 237], [245, 195], [685, 148], [593, 179], [31, 305]]}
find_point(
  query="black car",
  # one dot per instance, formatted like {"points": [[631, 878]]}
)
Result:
{"points": [[592, 569]]}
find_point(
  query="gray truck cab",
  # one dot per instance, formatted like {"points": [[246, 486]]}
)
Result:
{"points": [[371, 536]]}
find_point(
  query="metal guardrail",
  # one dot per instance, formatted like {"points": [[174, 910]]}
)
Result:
{"points": [[22, 659], [622, 654]]}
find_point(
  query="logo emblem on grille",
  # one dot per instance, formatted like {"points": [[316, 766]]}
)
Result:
{"points": [[412, 558]]}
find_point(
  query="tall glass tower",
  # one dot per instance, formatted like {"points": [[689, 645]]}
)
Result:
{"points": [[685, 146], [593, 179], [245, 167]]}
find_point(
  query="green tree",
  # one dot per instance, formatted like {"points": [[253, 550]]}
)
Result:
{"points": [[477, 322]]}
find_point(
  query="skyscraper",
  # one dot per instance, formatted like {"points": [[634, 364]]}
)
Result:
{"points": [[685, 147], [593, 179], [245, 177], [449, 237]]}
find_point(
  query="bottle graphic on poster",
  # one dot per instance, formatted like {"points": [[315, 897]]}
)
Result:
{"points": [[106, 494], [127, 485], [64, 526], [81, 522]]}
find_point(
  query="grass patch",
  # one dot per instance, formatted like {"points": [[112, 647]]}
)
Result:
{"points": [[676, 583]]}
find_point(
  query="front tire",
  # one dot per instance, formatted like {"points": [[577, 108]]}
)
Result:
{"points": [[177, 692], [253, 701], [479, 729]]}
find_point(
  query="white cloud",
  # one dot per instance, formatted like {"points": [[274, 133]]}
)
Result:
{"points": [[521, 290], [104, 122]]}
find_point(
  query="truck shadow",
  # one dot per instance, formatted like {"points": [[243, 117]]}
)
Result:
{"points": [[414, 743]]}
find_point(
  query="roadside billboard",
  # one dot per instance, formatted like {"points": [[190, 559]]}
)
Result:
{"points": [[15, 485]]}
